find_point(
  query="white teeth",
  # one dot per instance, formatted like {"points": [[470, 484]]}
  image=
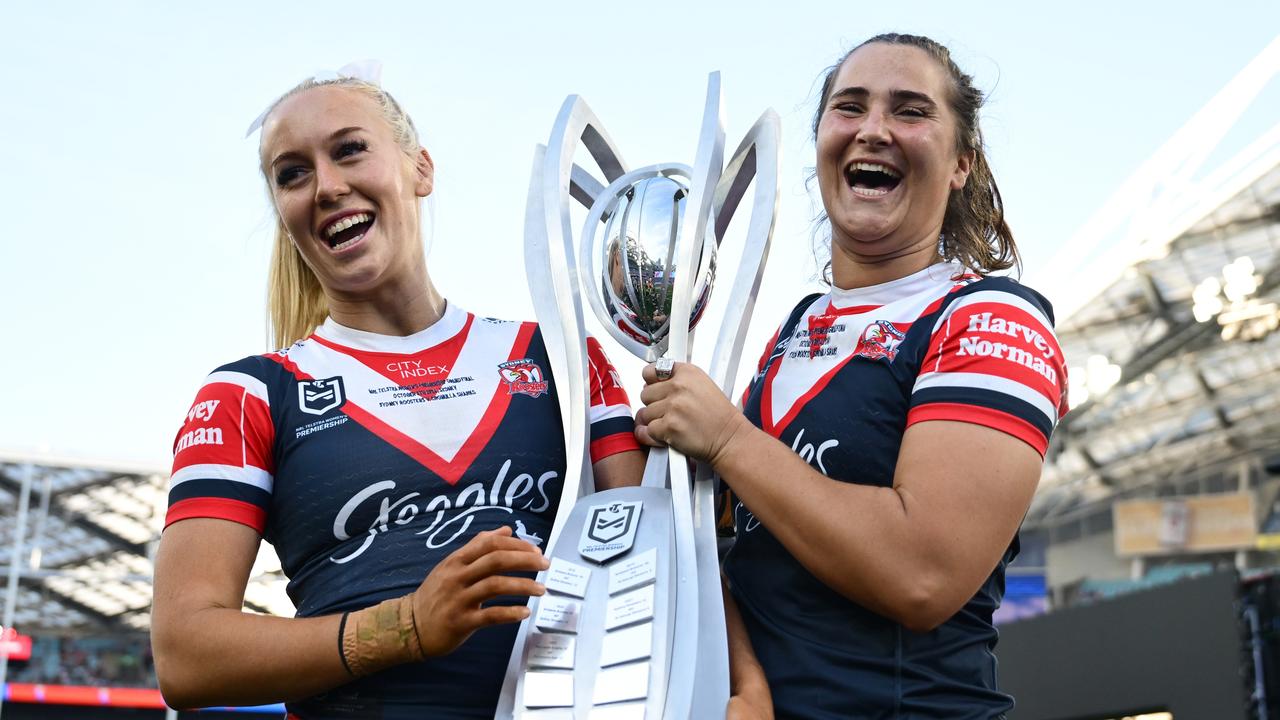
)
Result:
{"points": [[877, 167], [341, 245], [868, 192], [345, 223]]}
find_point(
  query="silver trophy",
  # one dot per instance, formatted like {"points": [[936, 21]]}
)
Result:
{"points": [[632, 625]]}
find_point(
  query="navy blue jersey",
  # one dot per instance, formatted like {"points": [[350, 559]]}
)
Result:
{"points": [[366, 459], [840, 383]]}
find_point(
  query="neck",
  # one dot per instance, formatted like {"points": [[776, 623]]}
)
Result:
{"points": [[402, 307], [853, 269]]}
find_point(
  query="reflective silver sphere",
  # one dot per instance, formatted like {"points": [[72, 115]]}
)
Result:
{"points": [[639, 263]]}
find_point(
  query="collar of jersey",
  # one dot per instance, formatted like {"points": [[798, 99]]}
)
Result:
{"points": [[453, 320], [874, 296]]}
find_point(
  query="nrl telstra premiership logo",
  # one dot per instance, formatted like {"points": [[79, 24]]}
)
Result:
{"points": [[610, 530], [317, 397]]}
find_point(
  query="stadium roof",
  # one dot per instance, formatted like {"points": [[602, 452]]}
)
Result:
{"points": [[1170, 327], [91, 531], [1176, 373]]}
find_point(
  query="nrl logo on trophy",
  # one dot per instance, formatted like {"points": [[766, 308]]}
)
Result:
{"points": [[638, 630], [610, 530]]}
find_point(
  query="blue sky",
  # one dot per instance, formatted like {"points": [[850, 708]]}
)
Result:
{"points": [[138, 227]]}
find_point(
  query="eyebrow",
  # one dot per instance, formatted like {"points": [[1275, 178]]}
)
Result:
{"points": [[896, 95], [332, 136]]}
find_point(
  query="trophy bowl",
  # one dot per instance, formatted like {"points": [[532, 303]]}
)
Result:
{"points": [[635, 251]]}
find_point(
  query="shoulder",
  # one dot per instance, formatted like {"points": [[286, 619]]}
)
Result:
{"points": [[251, 373], [258, 376], [1001, 290]]}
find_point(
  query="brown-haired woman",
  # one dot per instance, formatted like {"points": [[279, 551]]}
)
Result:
{"points": [[893, 436], [402, 455]]}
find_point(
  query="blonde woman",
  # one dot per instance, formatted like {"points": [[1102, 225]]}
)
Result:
{"points": [[402, 455]]}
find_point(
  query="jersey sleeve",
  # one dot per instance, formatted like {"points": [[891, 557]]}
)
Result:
{"points": [[993, 360], [222, 455], [612, 426]]}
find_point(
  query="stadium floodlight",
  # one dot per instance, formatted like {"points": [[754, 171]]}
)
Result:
{"points": [[1249, 320], [1093, 380], [1242, 316], [1241, 282], [1206, 299]]}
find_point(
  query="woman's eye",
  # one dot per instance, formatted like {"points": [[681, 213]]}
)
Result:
{"points": [[848, 108], [914, 112], [287, 175], [351, 147]]}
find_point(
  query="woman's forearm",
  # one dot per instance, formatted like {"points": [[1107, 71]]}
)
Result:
{"points": [[746, 677], [223, 656], [916, 551]]}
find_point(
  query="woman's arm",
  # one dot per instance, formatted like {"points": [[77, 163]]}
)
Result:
{"points": [[624, 469], [749, 695], [915, 552], [209, 652]]}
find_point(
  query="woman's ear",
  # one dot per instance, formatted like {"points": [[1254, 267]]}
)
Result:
{"points": [[964, 164], [426, 170]]}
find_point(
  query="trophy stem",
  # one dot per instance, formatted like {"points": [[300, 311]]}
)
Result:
{"points": [[655, 469]]}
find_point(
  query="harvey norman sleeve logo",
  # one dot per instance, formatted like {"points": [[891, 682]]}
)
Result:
{"points": [[317, 397]]}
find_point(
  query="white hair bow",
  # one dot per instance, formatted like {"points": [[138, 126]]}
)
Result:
{"points": [[369, 71]]}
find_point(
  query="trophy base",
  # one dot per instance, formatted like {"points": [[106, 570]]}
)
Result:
{"points": [[598, 644]]}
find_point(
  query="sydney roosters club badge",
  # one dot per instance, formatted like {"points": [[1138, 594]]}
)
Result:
{"points": [[523, 376], [879, 340]]}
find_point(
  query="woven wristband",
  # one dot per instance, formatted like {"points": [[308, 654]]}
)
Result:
{"points": [[381, 636]]}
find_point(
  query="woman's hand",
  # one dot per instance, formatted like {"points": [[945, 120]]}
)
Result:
{"points": [[449, 605], [689, 413]]}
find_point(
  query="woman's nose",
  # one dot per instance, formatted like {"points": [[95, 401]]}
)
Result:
{"points": [[873, 130], [330, 184]]}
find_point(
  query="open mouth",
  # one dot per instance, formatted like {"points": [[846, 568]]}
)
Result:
{"points": [[347, 230], [872, 179]]}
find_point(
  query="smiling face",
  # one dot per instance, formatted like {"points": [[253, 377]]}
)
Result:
{"points": [[887, 162], [345, 190]]}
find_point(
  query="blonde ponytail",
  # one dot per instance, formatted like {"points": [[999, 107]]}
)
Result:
{"points": [[296, 304]]}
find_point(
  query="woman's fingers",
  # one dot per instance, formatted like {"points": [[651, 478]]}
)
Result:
{"points": [[504, 561], [489, 541], [645, 437], [497, 615], [498, 586]]}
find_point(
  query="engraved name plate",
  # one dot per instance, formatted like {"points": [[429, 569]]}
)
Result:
{"points": [[632, 607], [568, 578], [556, 613], [624, 682], [627, 644], [633, 572], [548, 689], [551, 650]]}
